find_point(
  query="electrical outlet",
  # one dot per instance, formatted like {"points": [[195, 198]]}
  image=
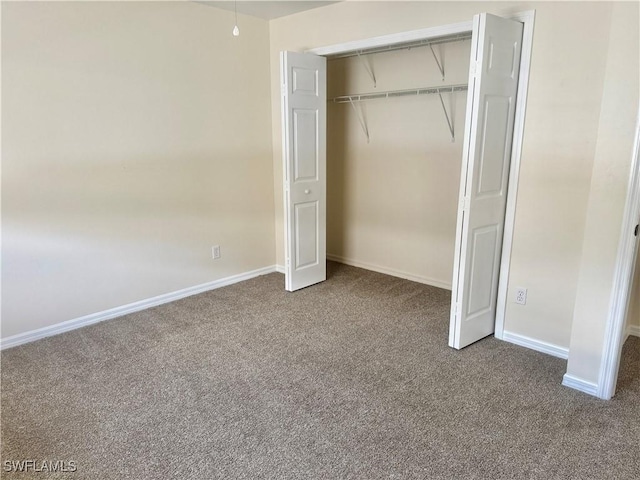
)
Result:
{"points": [[521, 296], [215, 252]]}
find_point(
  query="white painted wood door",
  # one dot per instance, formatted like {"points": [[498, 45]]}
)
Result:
{"points": [[491, 102], [304, 125]]}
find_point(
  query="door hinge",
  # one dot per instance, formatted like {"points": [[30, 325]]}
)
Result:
{"points": [[283, 89], [474, 68], [458, 309], [464, 203]]}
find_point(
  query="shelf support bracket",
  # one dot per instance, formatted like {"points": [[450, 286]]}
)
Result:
{"points": [[440, 64], [368, 68], [363, 124], [446, 116]]}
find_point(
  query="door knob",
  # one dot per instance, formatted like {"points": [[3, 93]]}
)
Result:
{"points": [[307, 191]]}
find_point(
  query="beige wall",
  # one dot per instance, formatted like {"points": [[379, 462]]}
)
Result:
{"points": [[135, 136], [392, 202], [607, 196], [566, 81]]}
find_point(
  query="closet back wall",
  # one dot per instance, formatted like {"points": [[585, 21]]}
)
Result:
{"points": [[392, 202]]}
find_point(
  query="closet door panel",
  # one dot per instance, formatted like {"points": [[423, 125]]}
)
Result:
{"points": [[493, 82], [304, 111]]}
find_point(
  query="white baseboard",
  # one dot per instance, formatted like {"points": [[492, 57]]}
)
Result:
{"points": [[280, 268], [537, 345], [633, 330], [389, 271], [580, 384], [85, 320]]}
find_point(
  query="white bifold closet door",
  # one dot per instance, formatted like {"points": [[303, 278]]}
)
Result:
{"points": [[491, 102], [304, 130]]}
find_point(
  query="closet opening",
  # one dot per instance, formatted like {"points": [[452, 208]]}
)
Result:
{"points": [[403, 155], [395, 130]]}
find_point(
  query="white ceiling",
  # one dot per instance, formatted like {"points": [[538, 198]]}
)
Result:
{"points": [[267, 9]]}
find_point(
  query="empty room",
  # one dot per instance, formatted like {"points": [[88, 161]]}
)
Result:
{"points": [[320, 239]]}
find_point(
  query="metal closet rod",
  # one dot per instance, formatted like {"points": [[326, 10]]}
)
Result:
{"points": [[403, 46], [399, 93]]}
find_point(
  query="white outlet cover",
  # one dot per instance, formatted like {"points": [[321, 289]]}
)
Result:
{"points": [[521, 296]]}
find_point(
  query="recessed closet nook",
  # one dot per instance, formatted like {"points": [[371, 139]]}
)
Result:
{"points": [[390, 165], [397, 147]]}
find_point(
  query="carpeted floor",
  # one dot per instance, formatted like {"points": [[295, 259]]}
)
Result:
{"points": [[349, 379]]}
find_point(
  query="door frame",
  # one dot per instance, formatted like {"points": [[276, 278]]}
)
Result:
{"points": [[527, 18], [622, 281]]}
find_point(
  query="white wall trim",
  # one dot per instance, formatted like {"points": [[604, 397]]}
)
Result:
{"points": [[579, 384], [528, 20], [622, 280], [633, 330], [280, 269], [390, 271], [393, 39], [537, 345], [85, 320]]}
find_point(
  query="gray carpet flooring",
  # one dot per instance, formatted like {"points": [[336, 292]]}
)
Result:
{"points": [[349, 379]]}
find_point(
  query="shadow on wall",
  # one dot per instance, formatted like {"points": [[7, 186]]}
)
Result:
{"points": [[336, 179], [76, 245]]}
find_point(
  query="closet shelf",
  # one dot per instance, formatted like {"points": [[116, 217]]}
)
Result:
{"points": [[351, 99], [399, 93], [404, 46]]}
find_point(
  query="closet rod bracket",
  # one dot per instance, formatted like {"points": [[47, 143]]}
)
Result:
{"points": [[368, 68], [363, 123], [438, 62], [446, 116]]}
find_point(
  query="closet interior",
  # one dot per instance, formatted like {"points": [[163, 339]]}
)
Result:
{"points": [[395, 132]]}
